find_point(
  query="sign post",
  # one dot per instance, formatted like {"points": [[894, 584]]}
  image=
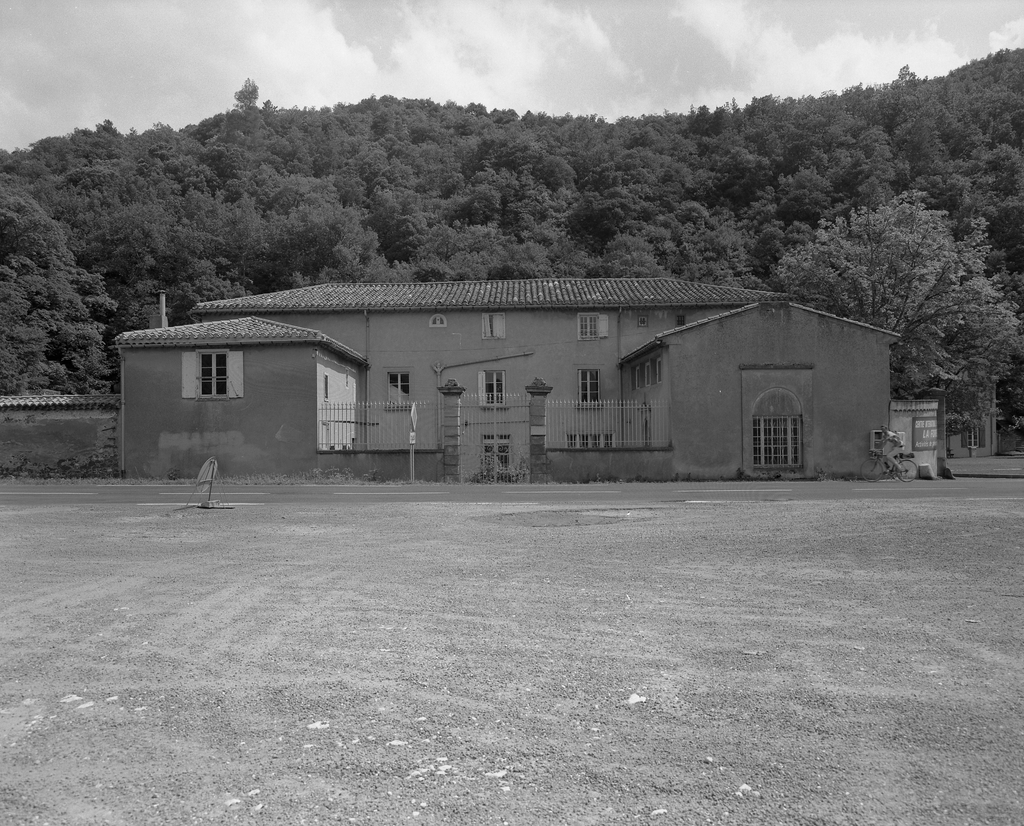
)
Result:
{"points": [[412, 443]]}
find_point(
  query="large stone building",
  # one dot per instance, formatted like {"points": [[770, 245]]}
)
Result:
{"points": [[649, 378]]}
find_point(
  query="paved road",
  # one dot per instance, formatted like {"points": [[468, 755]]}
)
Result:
{"points": [[172, 496]]}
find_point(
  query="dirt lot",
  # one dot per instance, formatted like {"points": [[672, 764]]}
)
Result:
{"points": [[757, 663]]}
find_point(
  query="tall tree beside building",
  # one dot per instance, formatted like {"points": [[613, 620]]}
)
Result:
{"points": [[50, 338], [899, 267]]}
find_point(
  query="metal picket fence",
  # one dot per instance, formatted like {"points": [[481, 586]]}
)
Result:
{"points": [[607, 424], [377, 425]]}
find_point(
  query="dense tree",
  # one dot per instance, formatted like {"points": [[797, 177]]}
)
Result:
{"points": [[248, 96], [50, 335], [900, 268]]}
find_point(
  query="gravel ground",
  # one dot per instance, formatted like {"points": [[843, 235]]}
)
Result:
{"points": [[751, 663]]}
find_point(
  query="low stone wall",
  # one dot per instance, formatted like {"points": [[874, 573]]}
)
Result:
{"points": [[1009, 441], [383, 465], [59, 436], [644, 464]]}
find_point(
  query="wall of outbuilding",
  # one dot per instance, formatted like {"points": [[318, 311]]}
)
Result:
{"points": [[838, 370], [270, 429]]}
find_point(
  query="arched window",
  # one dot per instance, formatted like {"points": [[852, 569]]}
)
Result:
{"points": [[438, 320], [778, 429]]}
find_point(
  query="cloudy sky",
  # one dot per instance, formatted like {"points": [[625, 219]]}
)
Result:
{"points": [[66, 64]]}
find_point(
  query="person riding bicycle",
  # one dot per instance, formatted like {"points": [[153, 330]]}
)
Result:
{"points": [[889, 460], [890, 437]]}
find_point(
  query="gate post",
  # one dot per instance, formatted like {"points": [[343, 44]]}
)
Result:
{"points": [[540, 471], [451, 430], [940, 455]]}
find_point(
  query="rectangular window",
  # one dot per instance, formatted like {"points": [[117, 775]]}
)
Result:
{"points": [[213, 374], [975, 437], [327, 387], [497, 450], [777, 441], [492, 387], [641, 375], [657, 370], [590, 386], [584, 441], [398, 388], [591, 326], [680, 320], [494, 325]]}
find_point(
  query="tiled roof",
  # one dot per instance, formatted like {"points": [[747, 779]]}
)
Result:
{"points": [[574, 293], [109, 401], [234, 331], [655, 342]]}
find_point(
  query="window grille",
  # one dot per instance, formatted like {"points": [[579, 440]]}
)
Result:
{"points": [[777, 441], [497, 449]]}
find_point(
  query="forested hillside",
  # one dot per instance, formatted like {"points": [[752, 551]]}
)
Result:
{"points": [[900, 205]]}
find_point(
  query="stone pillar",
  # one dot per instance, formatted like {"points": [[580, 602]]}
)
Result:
{"points": [[940, 453], [451, 430], [540, 471]]}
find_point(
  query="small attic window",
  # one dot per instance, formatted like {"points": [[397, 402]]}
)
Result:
{"points": [[438, 320], [641, 321]]}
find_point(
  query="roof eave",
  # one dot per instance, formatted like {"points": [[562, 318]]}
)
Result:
{"points": [[237, 341], [200, 310]]}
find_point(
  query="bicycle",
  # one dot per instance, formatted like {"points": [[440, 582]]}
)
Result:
{"points": [[882, 464]]}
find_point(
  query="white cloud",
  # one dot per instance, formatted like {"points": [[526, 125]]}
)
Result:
{"points": [[299, 55], [1010, 36], [65, 65], [499, 54], [771, 61], [727, 24]]}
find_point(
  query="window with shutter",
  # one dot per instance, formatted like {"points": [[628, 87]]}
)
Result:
{"points": [[235, 374], [493, 325], [189, 388], [211, 374]]}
